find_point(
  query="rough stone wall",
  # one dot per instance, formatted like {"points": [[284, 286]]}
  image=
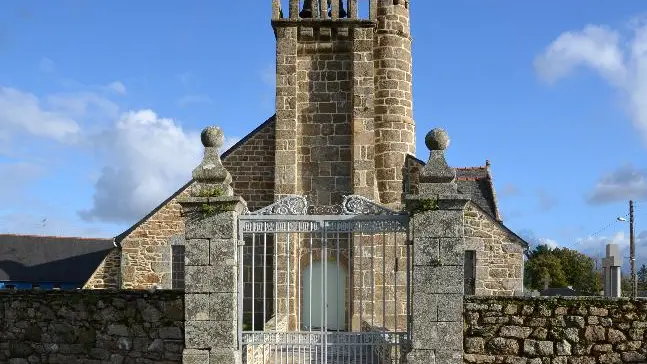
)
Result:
{"points": [[375, 287], [324, 135], [499, 257], [146, 252], [107, 273], [91, 327], [252, 167], [285, 173], [565, 330], [380, 281], [394, 125], [363, 98]]}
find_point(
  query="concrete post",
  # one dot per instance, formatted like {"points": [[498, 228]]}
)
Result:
{"points": [[612, 263], [438, 263], [211, 216]]}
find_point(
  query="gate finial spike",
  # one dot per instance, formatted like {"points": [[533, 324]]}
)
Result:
{"points": [[211, 177]]}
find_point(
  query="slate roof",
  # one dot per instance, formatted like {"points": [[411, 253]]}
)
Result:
{"points": [[27, 258], [477, 182]]}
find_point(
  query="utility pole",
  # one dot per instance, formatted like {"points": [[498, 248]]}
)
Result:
{"points": [[632, 251]]}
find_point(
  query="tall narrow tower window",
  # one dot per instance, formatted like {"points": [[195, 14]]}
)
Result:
{"points": [[177, 266], [470, 272]]}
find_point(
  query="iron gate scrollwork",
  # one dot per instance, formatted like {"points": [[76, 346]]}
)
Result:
{"points": [[324, 284]]}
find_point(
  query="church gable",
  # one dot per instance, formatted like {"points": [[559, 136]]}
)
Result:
{"points": [[144, 259], [251, 164], [473, 181]]}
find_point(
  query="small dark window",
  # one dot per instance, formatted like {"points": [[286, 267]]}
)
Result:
{"points": [[177, 266], [470, 272]]}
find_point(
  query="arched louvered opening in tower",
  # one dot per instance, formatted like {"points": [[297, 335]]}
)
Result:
{"points": [[324, 9]]}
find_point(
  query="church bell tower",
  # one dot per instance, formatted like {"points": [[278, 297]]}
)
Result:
{"points": [[344, 120]]}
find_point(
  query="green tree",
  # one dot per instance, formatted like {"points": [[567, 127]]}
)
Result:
{"points": [[642, 278], [561, 267]]}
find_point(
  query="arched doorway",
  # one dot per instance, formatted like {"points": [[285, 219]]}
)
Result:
{"points": [[315, 298]]}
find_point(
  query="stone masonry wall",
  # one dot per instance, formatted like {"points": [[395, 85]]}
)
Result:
{"points": [[566, 330], [107, 273], [69, 327], [252, 167], [394, 126], [324, 134], [145, 253], [499, 257]]}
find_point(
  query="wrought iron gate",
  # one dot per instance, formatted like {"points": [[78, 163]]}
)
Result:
{"points": [[324, 284]]}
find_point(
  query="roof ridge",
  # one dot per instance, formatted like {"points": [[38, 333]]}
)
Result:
{"points": [[55, 237], [468, 168]]}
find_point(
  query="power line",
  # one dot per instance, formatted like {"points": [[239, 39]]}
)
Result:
{"points": [[615, 221]]}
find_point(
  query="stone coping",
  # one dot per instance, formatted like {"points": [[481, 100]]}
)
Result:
{"points": [[197, 200], [107, 293], [573, 299], [314, 22]]}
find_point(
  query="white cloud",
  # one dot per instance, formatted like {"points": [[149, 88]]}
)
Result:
{"points": [[83, 105], [117, 87], [620, 61], [595, 246], [623, 184], [550, 242], [24, 112], [187, 100], [148, 158]]}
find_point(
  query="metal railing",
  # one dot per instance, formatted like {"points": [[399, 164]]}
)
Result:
{"points": [[324, 347], [331, 288]]}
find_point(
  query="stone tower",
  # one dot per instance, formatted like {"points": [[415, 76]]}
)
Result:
{"points": [[343, 100], [394, 126]]}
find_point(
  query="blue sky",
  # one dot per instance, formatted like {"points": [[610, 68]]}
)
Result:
{"points": [[101, 104]]}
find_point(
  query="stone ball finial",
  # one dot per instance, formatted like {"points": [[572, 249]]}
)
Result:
{"points": [[437, 139], [212, 136]]}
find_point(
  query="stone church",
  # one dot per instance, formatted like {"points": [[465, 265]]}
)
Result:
{"points": [[344, 125]]}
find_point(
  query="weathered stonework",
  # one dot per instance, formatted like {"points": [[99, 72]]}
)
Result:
{"points": [[343, 125], [125, 327], [438, 263], [144, 259], [107, 273], [146, 252], [499, 254], [394, 125], [212, 259], [555, 330], [344, 105]]}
